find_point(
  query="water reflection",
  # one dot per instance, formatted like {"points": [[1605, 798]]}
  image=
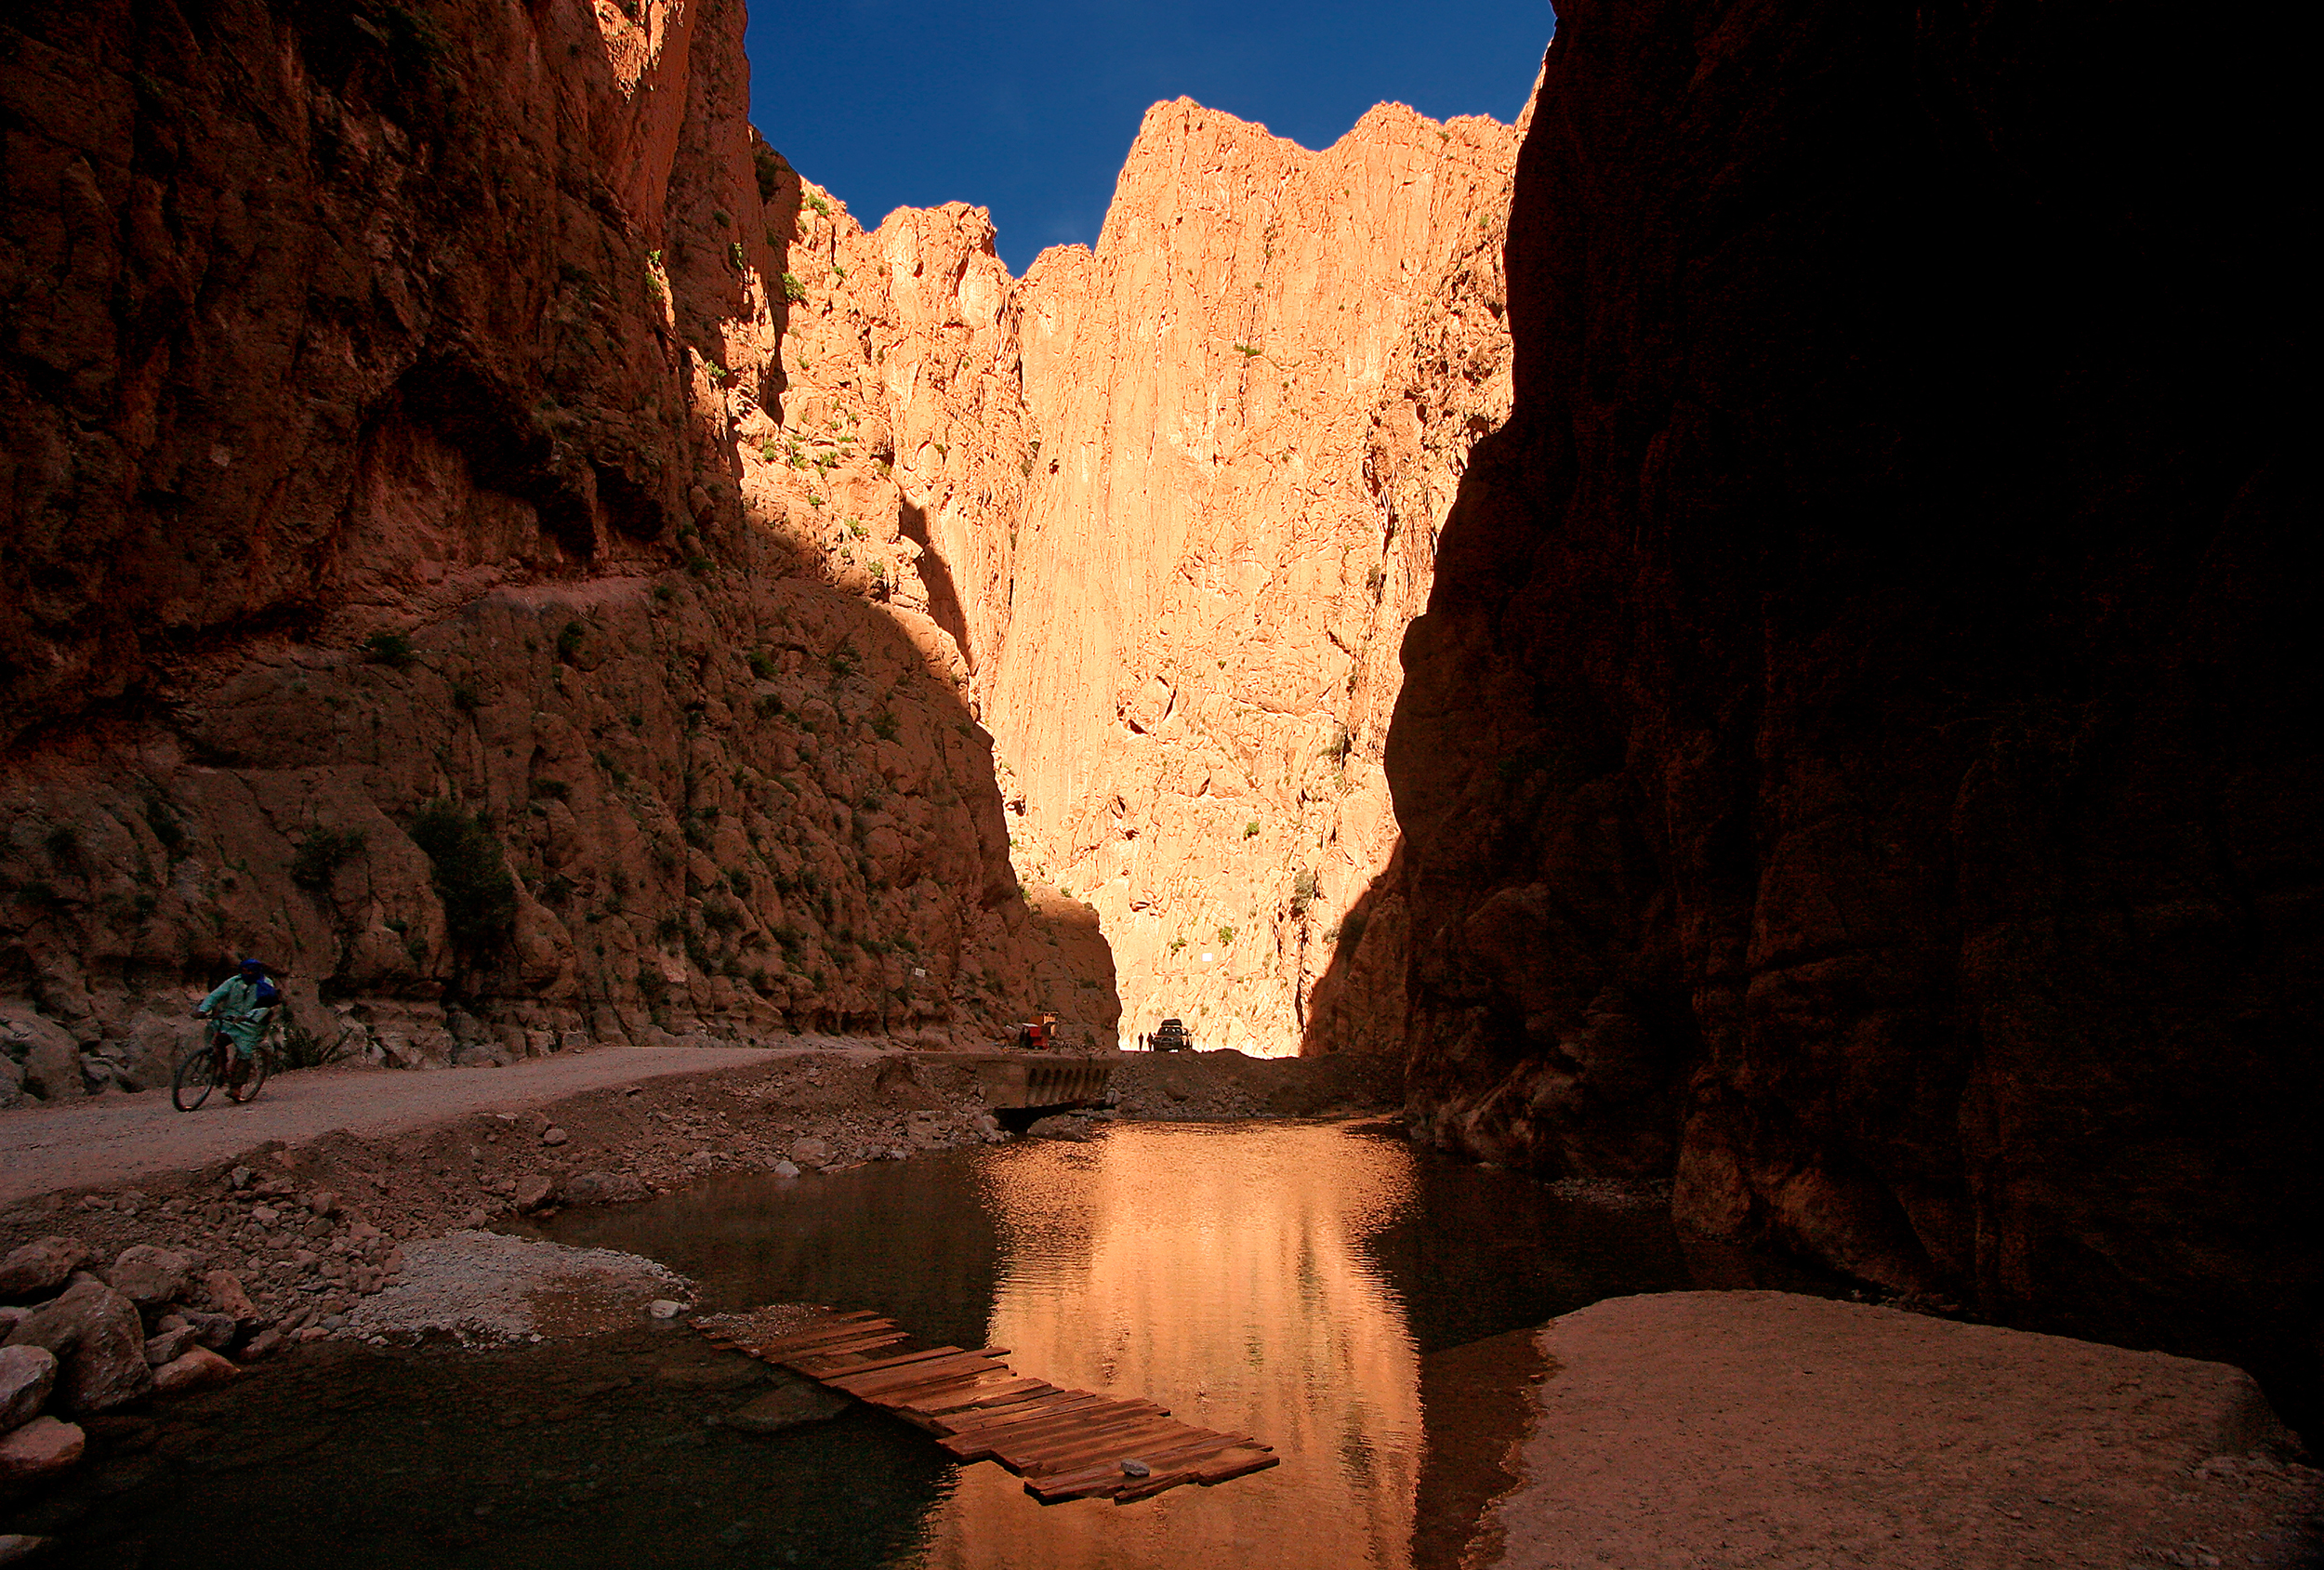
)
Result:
{"points": [[1321, 1286], [1224, 1276]]}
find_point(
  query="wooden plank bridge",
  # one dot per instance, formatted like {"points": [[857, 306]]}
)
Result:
{"points": [[1065, 1443]]}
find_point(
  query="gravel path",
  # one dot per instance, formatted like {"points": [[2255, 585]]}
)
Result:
{"points": [[118, 1138]]}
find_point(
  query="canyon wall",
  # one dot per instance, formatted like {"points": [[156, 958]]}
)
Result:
{"points": [[1861, 757], [1171, 501], [382, 586], [1249, 407]]}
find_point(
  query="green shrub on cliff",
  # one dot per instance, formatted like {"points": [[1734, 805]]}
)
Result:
{"points": [[480, 898], [322, 853]]}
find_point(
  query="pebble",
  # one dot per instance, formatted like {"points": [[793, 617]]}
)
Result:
{"points": [[662, 1308]]}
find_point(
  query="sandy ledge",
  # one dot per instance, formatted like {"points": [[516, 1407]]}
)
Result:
{"points": [[1747, 1431]]}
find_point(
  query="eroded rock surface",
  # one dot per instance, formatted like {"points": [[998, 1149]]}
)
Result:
{"points": [[379, 594], [1860, 754], [1759, 1429]]}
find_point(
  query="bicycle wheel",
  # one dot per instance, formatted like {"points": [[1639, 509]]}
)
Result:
{"points": [[194, 1078], [260, 1061]]}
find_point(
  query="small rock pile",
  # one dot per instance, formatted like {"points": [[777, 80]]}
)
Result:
{"points": [[82, 1341]]}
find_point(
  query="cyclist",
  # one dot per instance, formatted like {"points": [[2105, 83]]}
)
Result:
{"points": [[241, 1005]]}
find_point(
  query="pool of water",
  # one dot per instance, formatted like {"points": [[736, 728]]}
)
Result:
{"points": [[1321, 1286]]}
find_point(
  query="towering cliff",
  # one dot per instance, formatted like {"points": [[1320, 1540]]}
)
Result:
{"points": [[377, 588], [1253, 403], [1169, 504], [1860, 754]]}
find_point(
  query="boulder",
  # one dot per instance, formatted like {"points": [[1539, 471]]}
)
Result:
{"points": [[601, 1188], [149, 1276], [223, 1287], [100, 1338], [790, 1405], [50, 1056], [166, 1346], [198, 1368], [27, 1375], [41, 1448], [535, 1190], [17, 1547], [39, 1268], [1058, 1126], [214, 1331]]}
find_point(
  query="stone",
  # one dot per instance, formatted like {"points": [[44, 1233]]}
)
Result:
{"points": [[793, 1403], [601, 1188], [664, 1308], [40, 1267], [27, 1376], [323, 1202], [41, 1450], [98, 1337], [214, 1331], [148, 1277], [1132, 1467], [166, 1345], [224, 1290], [535, 1190], [783, 1169], [811, 1152], [1059, 1126], [554, 1136], [263, 1345], [196, 1368], [17, 1547]]}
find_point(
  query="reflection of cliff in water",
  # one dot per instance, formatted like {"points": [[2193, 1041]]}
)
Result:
{"points": [[1221, 1273]]}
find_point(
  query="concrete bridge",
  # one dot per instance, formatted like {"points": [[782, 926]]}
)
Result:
{"points": [[1014, 1080]]}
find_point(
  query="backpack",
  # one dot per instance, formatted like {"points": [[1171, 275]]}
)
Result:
{"points": [[268, 996]]}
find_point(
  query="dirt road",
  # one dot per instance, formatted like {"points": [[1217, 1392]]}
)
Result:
{"points": [[118, 1138]]}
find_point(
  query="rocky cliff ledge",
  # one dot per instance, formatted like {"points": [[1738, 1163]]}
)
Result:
{"points": [[1861, 757], [377, 591]]}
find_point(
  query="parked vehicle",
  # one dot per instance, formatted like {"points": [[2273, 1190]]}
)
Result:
{"points": [[1039, 1033], [1170, 1035]]}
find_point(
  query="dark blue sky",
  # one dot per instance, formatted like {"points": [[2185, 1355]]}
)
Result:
{"points": [[1029, 109]]}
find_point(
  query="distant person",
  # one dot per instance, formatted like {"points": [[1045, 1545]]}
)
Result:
{"points": [[239, 1007]]}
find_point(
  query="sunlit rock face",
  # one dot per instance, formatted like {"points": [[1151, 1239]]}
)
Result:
{"points": [[1254, 401], [372, 397], [1293, 1336], [1172, 501], [1860, 758]]}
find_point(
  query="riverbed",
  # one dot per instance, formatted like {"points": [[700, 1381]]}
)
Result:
{"points": [[1320, 1285]]}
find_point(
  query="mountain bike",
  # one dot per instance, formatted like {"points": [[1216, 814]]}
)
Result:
{"points": [[208, 1065]]}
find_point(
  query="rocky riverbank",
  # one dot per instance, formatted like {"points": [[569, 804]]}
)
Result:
{"points": [[116, 1296]]}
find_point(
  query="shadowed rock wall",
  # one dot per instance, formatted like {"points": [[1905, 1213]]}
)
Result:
{"points": [[370, 385], [1861, 757]]}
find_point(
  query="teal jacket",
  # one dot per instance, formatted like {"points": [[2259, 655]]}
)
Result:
{"points": [[229, 1007]]}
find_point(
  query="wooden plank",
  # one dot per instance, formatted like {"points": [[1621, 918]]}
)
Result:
{"points": [[865, 1381], [1038, 1407], [1158, 1434], [989, 1396], [1073, 1452], [856, 1345], [901, 1358], [1034, 1431], [1015, 1440], [1238, 1461], [1166, 1452]]}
